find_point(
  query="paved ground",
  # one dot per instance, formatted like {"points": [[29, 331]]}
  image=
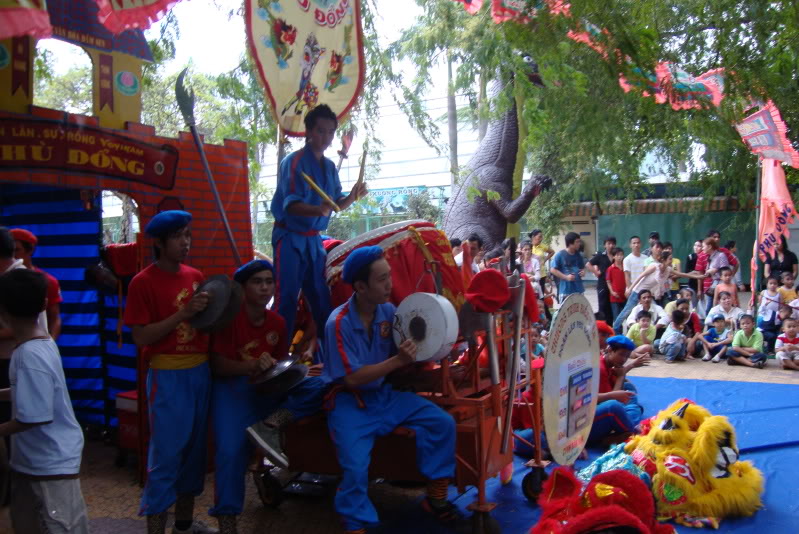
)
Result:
{"points": [[112, 493]]}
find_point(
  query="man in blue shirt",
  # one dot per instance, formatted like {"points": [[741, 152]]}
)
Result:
{"points": [[359, 353], [301, 215], [569, 265]]}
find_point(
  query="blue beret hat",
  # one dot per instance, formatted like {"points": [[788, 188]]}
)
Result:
{"points": [[166, 222], [244, 272], [621, 342], [358, 259]]}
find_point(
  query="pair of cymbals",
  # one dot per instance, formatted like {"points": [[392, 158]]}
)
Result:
{"points": [[224, 302]]}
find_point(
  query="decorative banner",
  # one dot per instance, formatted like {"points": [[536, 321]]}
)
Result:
{"points": [[121, 15], [24, 17], [571, 379], [471, 6], [776, 208], [20, 55], [106, 81], [308, 52], [42, 144], [765, 134]]}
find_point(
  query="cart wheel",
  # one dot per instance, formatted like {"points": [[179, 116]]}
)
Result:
{"points": [[270, 490], [484, 523], [532, 483]]}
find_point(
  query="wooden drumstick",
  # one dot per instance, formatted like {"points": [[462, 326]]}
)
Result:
{"points": [[320, 192], [363, 168]]}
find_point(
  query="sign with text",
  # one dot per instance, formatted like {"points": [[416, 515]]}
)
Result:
{"points": [[41, 144], [571, 379]]}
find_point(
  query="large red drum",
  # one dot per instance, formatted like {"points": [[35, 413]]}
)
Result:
{"points": [[415, 250]]}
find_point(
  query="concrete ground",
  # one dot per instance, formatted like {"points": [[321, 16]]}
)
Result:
{"points": [[112, 493]]}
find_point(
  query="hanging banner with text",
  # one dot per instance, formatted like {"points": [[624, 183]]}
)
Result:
{"points": [[308, 52], [39, 144]]}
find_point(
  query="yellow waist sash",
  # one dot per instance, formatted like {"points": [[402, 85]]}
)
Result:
{"points": [[177, 361]]}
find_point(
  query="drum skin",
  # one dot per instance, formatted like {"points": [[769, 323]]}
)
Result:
{"points": [[430, 321], [409, 248]]}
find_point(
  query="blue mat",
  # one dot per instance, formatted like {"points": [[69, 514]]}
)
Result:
{"points": [[766, 419]]}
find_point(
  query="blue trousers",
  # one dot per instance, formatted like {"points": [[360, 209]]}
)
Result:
{"points": [[235, 405], [614, 417], [300, 265], [618, 323], [178, 408], [354, 430]]}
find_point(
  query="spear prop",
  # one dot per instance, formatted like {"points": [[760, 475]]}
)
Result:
{"points": [[186, 104]]}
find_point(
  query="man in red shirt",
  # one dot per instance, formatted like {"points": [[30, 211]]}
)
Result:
{"points": [[702, 261], [161, 300], [251, 344], [24, 245]]}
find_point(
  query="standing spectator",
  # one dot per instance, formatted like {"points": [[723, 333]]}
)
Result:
{"points": [[24, 246], [569, 267], [651, 279], [781, 261], [616, 283], [543, 252], [732, 260], [46, 439], [475, 244], [634, 262], [674, 285], [715, 259], [602, 261], [731, 246], [690, 265], [654, 237], [725, 284], [456, 244], [530, 263]]}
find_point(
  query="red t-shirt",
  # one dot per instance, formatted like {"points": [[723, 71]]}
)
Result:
{"points": [[154, 295], [53, 288], [615, 278], [606, 377], [243, 341]]}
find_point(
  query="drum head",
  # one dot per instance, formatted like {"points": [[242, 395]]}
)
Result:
{"points": [[280, 378], [430, 321], [571, 379]]}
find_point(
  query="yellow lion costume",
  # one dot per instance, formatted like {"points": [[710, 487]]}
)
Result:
{"points": [[692, 457]]}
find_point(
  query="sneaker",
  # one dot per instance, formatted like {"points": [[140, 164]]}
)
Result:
{"points": [[267, 438], [716, 359], [197, 527], [707, 357], [761, 364]]}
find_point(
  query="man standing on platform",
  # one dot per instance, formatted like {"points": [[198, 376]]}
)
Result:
{"points": [[160, 302], [24, 246], [301, 215]]}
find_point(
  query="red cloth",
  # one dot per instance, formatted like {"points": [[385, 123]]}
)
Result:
{"points": [[53, 288], [242, 341], [154, 295], [606, 377], [330, 244], [602, 326], [615, 279], [118, 17], [122, 258], [731, 259], [530, 300], [696, 322], [488, 291], [20, 234]]}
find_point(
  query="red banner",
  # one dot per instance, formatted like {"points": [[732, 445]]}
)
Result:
{"points": [[39, 144], [106, 81], [121, 15], [20, 75]]}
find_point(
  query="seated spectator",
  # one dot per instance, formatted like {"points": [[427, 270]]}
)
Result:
{"points": [[787, 291], [726, 284], [787, 346], [747, 345], [770, 301], [725, 308], [535, 342], [692, 328], [717, 339], [673, 344], [643, 332], [646, 303], [771, 328]]}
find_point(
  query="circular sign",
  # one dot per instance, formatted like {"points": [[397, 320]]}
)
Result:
{"points": [[5, 57], [571, 379], [127, 83]]}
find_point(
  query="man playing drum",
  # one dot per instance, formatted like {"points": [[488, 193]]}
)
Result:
{"points": [[359, 353], [160, 302], [300, 216], [252, 343]]}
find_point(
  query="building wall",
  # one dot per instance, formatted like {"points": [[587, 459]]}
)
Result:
{"points": [[210, 252]]}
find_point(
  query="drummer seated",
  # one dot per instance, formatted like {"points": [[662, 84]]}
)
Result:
{"points": [[358, 353], [251, 344]]}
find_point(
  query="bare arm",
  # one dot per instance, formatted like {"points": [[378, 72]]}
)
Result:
{"points": [[54, 320], [357, 192], [559, 274], [369, 373]]}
